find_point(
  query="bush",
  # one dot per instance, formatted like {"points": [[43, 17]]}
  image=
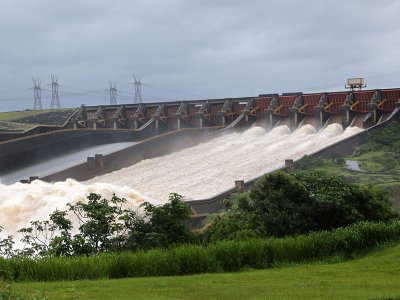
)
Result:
{"points": [[282, 204]]}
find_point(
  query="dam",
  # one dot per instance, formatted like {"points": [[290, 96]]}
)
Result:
{"points": [[197, 149]]}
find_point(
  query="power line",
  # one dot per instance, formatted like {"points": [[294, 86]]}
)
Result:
{"points": [[83, 90], [15, 99], [174, 91]]}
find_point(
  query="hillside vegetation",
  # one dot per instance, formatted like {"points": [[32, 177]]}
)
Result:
{"points": [[378, 159]]}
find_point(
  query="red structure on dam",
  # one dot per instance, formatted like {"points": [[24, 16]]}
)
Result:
{"points": [[369, 106]]}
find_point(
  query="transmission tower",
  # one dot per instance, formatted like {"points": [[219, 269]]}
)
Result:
{"points": [[113, 92], [55, 100], [138, 88], [37, 94]]}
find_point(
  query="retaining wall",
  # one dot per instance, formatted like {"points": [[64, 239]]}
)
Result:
{"points": [[31, 149], [152, 147]]}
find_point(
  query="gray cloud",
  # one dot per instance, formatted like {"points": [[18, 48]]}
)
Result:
{"points": [[211, 48]]}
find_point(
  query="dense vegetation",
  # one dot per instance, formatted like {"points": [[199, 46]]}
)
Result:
{"points": [[282, 204], [378, 159], [224, 256]]}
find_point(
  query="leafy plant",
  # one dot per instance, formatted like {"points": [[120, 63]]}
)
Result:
{"points": [[282, 204]]}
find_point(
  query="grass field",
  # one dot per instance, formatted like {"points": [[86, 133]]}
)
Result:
{"points": [[375, 276], [12, 115]]}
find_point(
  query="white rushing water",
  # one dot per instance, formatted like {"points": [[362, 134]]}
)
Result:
{"points": [[21, 203], [209, 168], [197, 172]]}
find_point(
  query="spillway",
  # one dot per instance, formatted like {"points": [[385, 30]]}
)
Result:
{"points": [[196, 173], [209, 168]]}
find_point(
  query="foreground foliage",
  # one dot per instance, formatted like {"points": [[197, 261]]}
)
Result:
{"points": [[225, 256]]}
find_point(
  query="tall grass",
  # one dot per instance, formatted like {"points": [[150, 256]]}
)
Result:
{"points": [[225, 256]]}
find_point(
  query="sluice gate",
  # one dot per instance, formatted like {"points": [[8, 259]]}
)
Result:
{"points": [[374, 105]]}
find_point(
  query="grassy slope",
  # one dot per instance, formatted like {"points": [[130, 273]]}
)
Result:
{"points": [[7, 123], [376, 276], [12, 126], [6, 118], [12, 115]]}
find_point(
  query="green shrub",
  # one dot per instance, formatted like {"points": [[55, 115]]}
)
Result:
{"points": [[281, 204]]}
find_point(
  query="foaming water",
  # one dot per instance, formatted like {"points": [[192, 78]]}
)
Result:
{"points": [[197, 172], [22, 203], [212, 167]]}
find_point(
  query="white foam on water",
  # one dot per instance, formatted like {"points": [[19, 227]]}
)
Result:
{"points": [[197, 172], [22, 203], [209, 168]]}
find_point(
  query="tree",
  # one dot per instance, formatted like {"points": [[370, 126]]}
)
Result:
{"points": [[161, 226], [6, 246], [100, 223], [337, 202], [105, 225], [282, 204]]}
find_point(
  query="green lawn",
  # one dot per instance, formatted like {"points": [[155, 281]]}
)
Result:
{"points": [[375, 276]]}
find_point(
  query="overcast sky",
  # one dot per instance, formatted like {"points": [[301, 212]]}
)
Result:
{"points": [[195, 48]]}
